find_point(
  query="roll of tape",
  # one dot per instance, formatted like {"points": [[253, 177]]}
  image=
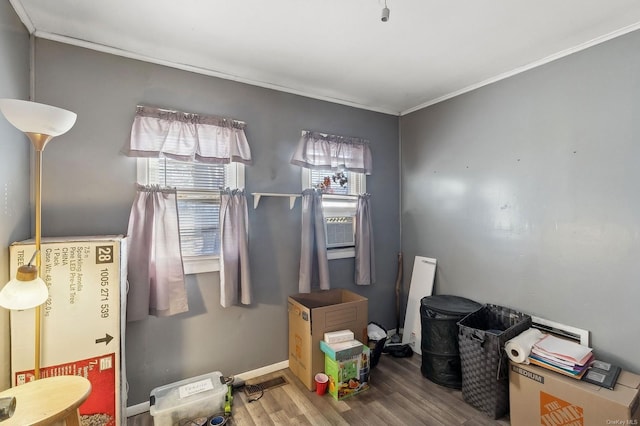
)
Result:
{"points": [[218, 421]]}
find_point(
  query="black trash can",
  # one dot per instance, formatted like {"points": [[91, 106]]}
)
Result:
{"points": [[439, 316]]}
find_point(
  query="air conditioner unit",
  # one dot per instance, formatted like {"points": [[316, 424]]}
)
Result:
{"points": [[340, 231]]}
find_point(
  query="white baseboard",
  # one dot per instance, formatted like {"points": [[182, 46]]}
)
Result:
{"points": [[143, 407], [263, 370], [134, 410]]}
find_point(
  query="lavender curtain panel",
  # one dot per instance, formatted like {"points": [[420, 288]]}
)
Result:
{"points": [[314, 264], [155, 272], [235, 277], [187, 136], [365, 270], [331, 152]]}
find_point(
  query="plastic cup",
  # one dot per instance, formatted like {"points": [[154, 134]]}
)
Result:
{"points": [[322, 380]]}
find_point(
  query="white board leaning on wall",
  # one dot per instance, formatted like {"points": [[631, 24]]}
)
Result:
{"points": [[424, 269]]}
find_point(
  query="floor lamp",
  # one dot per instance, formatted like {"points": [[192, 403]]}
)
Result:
{"points": [[40, 123]]}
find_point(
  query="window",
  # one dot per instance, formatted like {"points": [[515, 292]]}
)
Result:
{"points": [[198, 194], [339, 204]]}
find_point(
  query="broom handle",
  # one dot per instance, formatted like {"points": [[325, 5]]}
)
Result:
{"points": [[398, 288]]}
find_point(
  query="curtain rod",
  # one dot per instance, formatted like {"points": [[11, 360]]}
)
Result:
{"points": [[173, 111], [355, 139]]}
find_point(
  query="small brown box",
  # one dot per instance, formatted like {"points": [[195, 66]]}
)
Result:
{"points": [[313, 314]]}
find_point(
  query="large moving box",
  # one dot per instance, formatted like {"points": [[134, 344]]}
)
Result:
{"points": [[83, 320], [313, 314], [543, 397]]}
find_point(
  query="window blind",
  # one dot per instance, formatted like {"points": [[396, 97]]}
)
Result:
{"points": [[198, 187]]}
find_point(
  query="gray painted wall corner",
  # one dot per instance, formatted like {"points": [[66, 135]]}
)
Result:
{"points": [[14, 160], [524, 191]]}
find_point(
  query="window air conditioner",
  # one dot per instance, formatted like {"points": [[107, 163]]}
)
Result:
{"points": [[340, 231]]}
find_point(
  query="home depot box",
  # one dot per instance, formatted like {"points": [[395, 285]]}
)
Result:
{"points": [[348, 377], [313, 314], [83, 320], [543, 397]]}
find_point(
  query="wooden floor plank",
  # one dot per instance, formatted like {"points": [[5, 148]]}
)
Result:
{"points": [[398, 395]]}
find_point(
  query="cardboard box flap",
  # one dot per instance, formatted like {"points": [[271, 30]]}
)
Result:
{"points": [[326, 298], [629, 380], [75, 239], [621, 394]]}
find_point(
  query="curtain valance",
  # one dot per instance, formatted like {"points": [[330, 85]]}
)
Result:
{"points": [[331, 152], [187, 136]]}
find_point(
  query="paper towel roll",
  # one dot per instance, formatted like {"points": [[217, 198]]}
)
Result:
{"points": [[519, 348]]}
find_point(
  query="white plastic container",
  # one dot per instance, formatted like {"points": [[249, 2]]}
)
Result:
{"points": [[201, 396]]}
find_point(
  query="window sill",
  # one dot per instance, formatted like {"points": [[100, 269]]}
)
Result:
{"points": [[201, 264], [341, 253]]}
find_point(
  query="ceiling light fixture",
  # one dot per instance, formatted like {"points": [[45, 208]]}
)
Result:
{"points": [[385, 12]]}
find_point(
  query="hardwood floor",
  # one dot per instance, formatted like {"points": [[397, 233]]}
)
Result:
{"points": [[399, 395]]}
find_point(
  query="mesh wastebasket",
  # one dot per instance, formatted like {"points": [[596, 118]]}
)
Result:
{"points": [[439, 316], [481, 337]]}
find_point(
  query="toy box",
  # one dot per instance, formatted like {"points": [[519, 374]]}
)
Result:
{"points": [[349, 377], [341, 351]]}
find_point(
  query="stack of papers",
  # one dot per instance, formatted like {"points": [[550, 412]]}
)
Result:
{"points": [[562, 356]]}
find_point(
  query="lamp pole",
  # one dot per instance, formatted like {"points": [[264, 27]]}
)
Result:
{"points": [[41, 123], [39, 141]]}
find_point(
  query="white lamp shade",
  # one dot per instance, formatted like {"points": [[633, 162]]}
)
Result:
{"points": [[19, 295], [32, 117]]}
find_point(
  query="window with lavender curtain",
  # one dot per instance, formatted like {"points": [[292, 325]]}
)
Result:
{"points": [[235, 278], [187, 137], [321, 151], [156, 283], [314, 265], [155, 273], [365, 270]]}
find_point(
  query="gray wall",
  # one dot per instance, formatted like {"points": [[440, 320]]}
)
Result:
{"points": [[90, 187], [14, 159], [526, 192]]}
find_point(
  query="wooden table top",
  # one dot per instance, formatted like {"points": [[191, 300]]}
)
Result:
{"points": [[44, 401]]}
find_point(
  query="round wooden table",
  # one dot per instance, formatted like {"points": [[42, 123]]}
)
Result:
{"points": [[45, 401]]}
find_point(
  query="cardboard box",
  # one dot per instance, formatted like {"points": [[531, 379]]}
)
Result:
{"points": [[313, 314], [188, 399], [349, 377], [83, 320], [338, 336], [341, 351], [541, 396]]}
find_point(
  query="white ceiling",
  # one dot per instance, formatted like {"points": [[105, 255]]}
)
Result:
{"points": [[339, 50]]}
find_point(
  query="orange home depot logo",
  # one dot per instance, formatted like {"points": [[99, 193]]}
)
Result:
{"points": [[556, 412]]}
